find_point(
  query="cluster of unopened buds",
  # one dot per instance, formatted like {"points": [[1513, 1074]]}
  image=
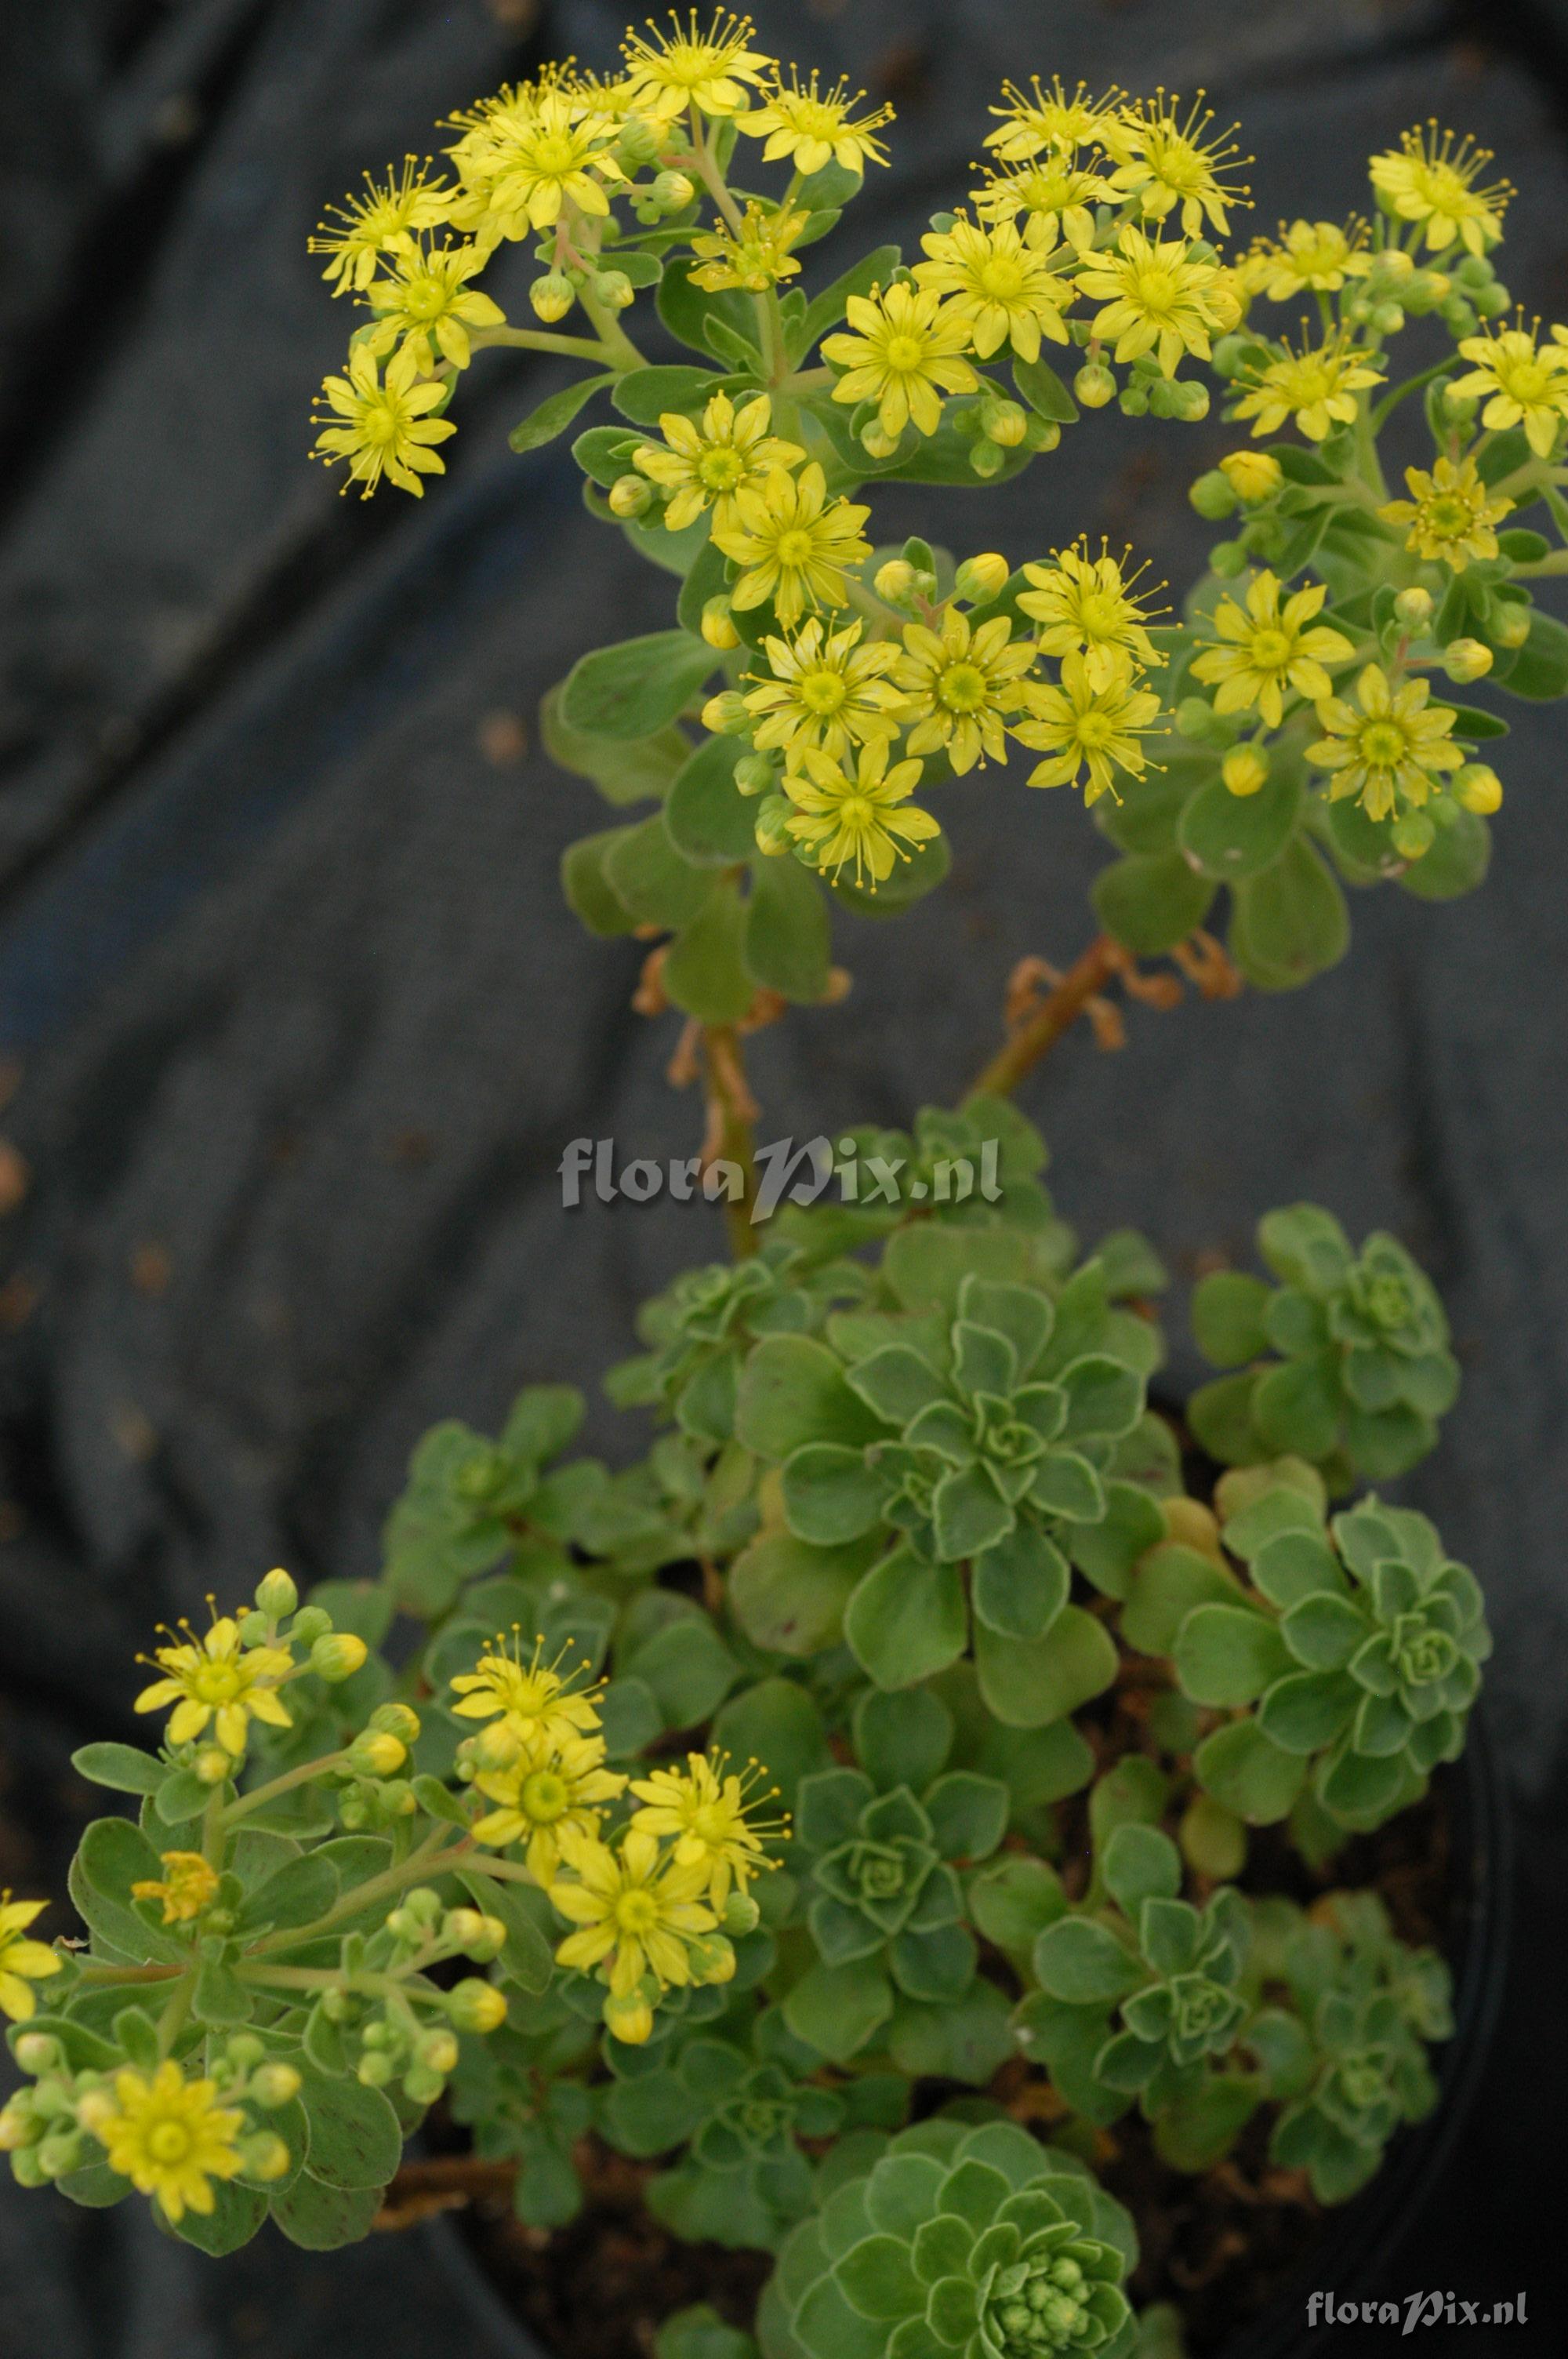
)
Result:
{"points": [[405, 2028]]}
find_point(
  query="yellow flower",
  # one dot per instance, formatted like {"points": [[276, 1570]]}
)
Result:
{"points": [[813, 128], [1253, 475], [1087, 605], [1097, 724], [1157, 299], [1051, 191], [1315, 256], [686, 68], [963, 684], [189, 1885], [218, 1678], [1000, 283], [1449, 514], [755, 260], [793, 545], [1269, 649], [1319, 383], [707, 1808], [167, 2135], [526, 153], [428, 306], [638, 1911], [1388, 747], [827, 691], [730, 449], [904, 355], [386, 427], [537, 1705], [1522, 385], [1056, 122], [1174, 168], [22, 1963], [384, 221], [851, 809], [543, 1794], [1431, 179]]}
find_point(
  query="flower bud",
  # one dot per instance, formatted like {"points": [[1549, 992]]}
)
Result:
{"points": [[1196, 718], [311, 1622], [18, 2127], [398, 1800], [376, 1755], [397, 1720], [496, 1747], [1413, 835], [1189, 399], [773, 837], [741, 1914], [726, 714], [1005, 422], [877, 442], [422, 2085], [1388, 319], [1227, 558], [25, 2168], [1094, 386], [264, 2156], [277, 1595], [95, 2108], [1478, 789], [479, 1937], [274, 2084], [1511, 627], [417, 1914], [980, 579], [755, 774], [243, 2050], [1042, 434], [1214, 496], [437, 2052], [639, 142], [38, 2051], [712, 1958], [612, 288], [672, 193], [718, 624], [254, 1629], [1413, 607], [1491, 302], [630, 2020], [1245, 769], [337, 1656], [552, 297], [631, 495], [213, 1765], [1466, 659], [476, 2006], [988, 458], [895, 581], [374, 2071], [1253, 475]]}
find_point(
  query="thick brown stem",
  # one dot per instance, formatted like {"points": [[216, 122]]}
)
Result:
{"points": [[732, 1111], [1084, 980]]}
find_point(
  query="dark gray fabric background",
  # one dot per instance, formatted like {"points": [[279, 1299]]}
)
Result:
{"points": [[303, 1027]]}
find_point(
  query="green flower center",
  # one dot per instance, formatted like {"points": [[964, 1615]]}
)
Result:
{"points": [[721, 470], [544, 1796], [168, 2142], [1270, 650], [822, 691], [903, 353], [554, 152], [1036, 2311], [1449, 517], [793, 546], [637, 1912], [1382, 744], [1002, 277], [961, 687]]}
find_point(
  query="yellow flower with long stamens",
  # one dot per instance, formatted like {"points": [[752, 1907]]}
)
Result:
{"points": [[1090, 606], [755, 257], [813, 128], [1308, 257], [1158, 299], [1056, 122], [791, 543], [1268, 649], [387, 220], [528, 153], [1052, 192], [382, 426], [1099, 724], [857, 810], [707, 462], [710, 1809], [1522, 383], [543, 1794], [1387, 749], [1431, 178], [1451, 513], [904, 352], [187, 1886], [426, 304], [22, 1963], [637, 1910], [535, 1704], [963, 682], [169, 2136], [827, 691], [1175, 169], [217, 1678], [1002, 284], [1317, 386], [713, 70]]}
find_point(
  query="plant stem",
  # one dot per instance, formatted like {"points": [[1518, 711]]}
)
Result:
{"points": [[1084, 981], [577, 348], [300, 1776], [426, 1861], [732, 1111], [171, 2022]]}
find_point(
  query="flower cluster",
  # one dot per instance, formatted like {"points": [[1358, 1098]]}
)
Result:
{"points": [[224, 1681]]}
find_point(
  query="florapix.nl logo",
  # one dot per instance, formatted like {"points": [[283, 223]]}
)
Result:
{"points": [[785, 1172]]}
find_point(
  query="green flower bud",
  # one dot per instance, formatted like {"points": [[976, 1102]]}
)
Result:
{"points": [[1245, 771], [639, 142], [613, 289], [479, 1937], [1042, 434], [337, 1656], [264, 2156], [1466, 659], [374, 2071], [1388, 319], [274, 2084], [1491, 302], [213, 1765], [311, 1622], [631, 495], [726, 714], [1134, 401], [1194, 718], [376, 1755], [1227, 558], [476, 2006], [987, 458], [397, 1720], [64, 2150], [1005, 422], [896, 581], [422, 2086], [672, 193], [1413, 607], [1474, 271], [25, 2168], [1413, 835], [1192, 399], [18, 2127], [38, 2051], [1213, 496], [773, 832], [277, 1595], [437, 2052], [243, 2050], [1510, 623], [741, 1914], [1094, 386], [980, 579], [254, 1629], [1459, 317], [718, 624], [1478, 789], [552, 297], [877, 442], [755, 774]]}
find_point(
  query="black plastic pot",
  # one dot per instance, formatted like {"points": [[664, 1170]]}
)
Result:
{"points": [[1351, 2260]]}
